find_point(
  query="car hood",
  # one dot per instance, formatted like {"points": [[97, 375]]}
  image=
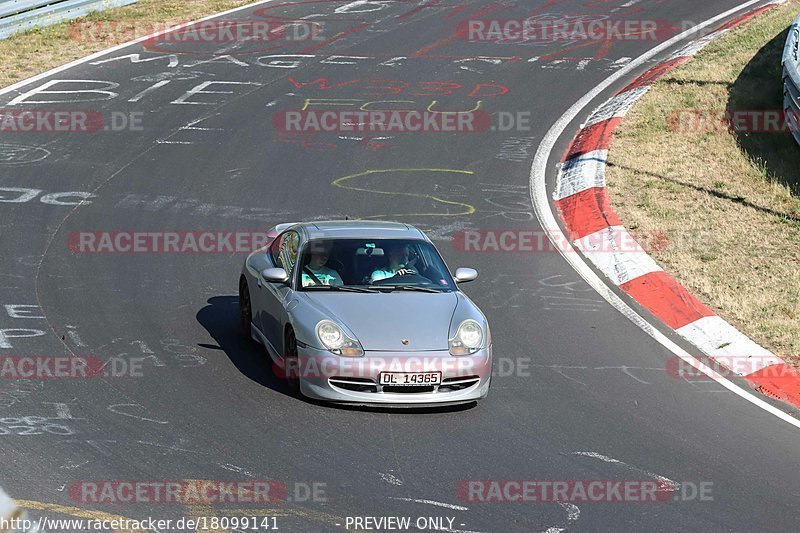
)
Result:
{"points": [[382, 321]]}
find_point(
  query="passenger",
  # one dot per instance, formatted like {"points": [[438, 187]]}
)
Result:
{"points": [[316, 272]]}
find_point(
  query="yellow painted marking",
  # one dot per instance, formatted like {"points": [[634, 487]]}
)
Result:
{"points": [[478, 105], [244, 511], [467, 209], [198, 511], [329, 101], [364, 106], [289, 510], [77, 512], [201, 510]]}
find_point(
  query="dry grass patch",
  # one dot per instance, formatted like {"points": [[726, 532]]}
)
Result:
{"points": [[35, 51], [730, 202]]}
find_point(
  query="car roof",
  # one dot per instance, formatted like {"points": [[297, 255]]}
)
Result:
{"points": [[361, 229]]}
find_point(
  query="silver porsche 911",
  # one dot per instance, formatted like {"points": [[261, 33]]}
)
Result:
{"points": [[365, 313]]}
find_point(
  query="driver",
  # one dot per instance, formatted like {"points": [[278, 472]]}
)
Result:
{"points": [[316, 272], [398, 263]]}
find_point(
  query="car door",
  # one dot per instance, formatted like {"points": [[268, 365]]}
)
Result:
{"points": [[272, 297]]}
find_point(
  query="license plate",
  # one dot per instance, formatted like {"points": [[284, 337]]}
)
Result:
{"points": [[410, 379]]}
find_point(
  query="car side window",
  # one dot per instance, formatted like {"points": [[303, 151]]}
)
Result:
{"points": [[284, 251], [274, 249]]}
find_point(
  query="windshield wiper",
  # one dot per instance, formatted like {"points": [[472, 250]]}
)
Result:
{"points": [[393, 288], [337, 288]]}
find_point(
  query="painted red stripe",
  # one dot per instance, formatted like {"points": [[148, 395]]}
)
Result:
{"points": [[587, 212], [780, 381], [652, 75], [667, 299], [595, 137], [741, 19]]}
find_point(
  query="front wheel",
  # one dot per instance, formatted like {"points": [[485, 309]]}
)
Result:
{"points": [[245, 309]]}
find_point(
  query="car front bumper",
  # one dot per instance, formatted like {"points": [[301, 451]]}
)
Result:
{"points": [[355, 380]]}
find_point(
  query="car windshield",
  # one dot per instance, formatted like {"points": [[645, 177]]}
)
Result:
{"points": [[385, 265]]}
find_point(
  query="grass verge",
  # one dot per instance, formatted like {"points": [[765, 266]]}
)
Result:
{"points": [[729, 201], [26, 54]]}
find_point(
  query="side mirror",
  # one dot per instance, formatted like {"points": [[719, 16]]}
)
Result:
{"points": [[274, 275], [463, 275]]}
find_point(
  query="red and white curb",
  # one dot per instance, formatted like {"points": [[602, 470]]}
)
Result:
{"points": [[594, 228]]}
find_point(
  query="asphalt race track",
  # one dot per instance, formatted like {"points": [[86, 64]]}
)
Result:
{"points": [[579, 392]]}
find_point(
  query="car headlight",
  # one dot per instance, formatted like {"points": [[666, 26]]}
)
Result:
{"points": [[468, 339], [337, 341]]}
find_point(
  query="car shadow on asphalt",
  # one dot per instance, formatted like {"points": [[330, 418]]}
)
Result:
{"points": [[221, 319]]}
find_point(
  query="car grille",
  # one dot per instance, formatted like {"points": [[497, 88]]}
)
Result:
{"points": [[457, 384], [354, 384], [369, 385]]}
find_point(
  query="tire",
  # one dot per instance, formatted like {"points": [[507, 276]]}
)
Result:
{"points": [[245, 310], [291, 362]]}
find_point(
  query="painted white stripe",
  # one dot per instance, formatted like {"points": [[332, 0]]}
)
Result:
{"points": [[695, 47], [547, 219], [581, 173], [728, 346], [390, 479], [617, 106], [617, 254], [433, 502], [595, 455], [573, 511], [673, 485]]}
